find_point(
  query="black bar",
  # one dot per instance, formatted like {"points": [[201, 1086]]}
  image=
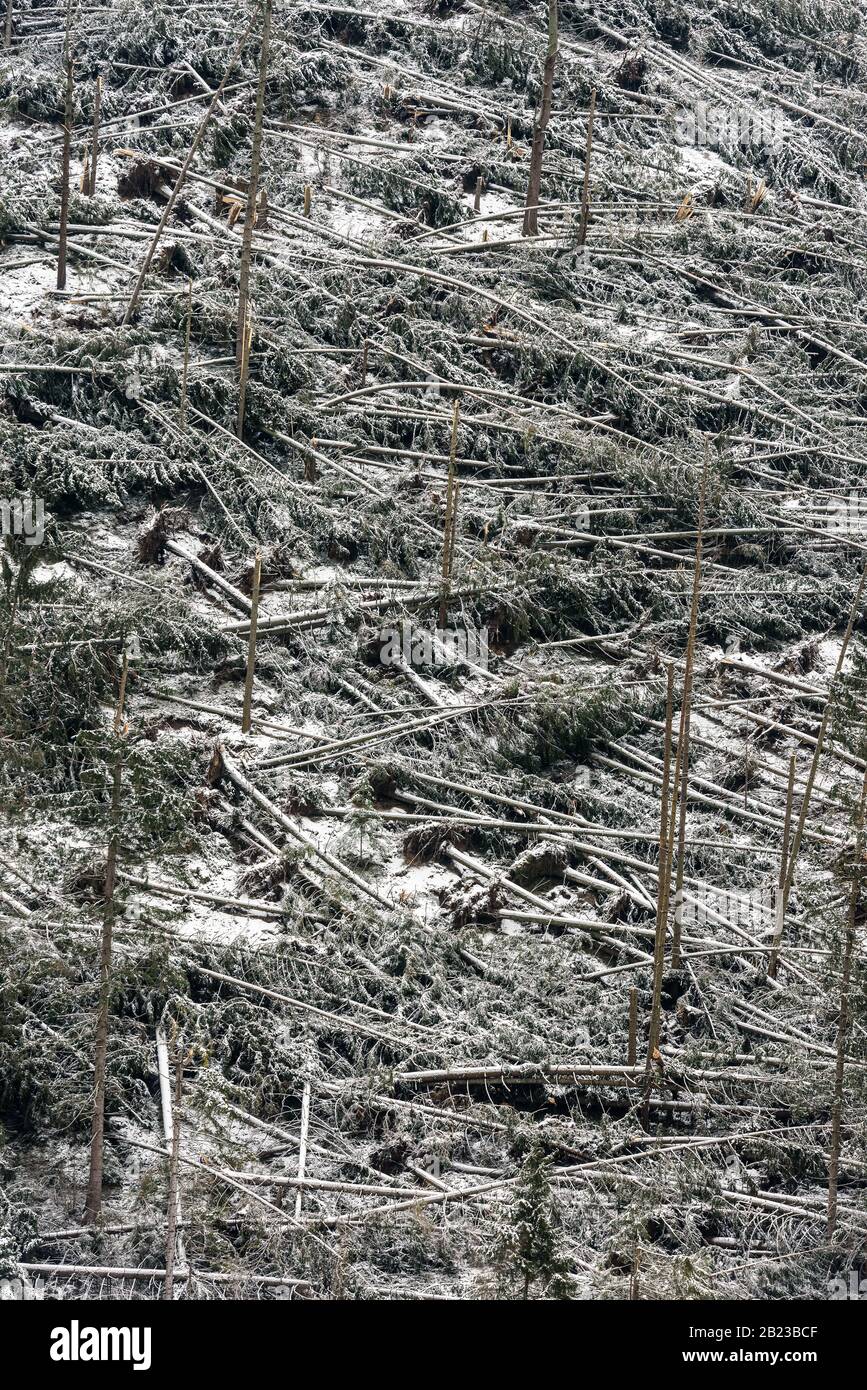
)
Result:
{"points": [[228, 1338]]}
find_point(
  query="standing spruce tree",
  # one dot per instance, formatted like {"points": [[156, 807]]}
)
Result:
{"points": [[528, 1250]]}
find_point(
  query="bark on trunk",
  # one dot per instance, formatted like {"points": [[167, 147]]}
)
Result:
{"points": [[93, 1204], [534, 183], [94, 139], [67, 140], [243, 327]]}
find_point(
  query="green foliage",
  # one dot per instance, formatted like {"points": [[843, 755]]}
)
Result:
{"points": [[527, 1252]]}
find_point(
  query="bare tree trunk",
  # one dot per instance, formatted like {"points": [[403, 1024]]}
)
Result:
{"points": [[67, 140], [242, 337], [779, 905], [844, 1021], [820, 741], [534, 183], [632, 1043], [94, 1186], [93, 1204], [247, 712], [681, 766], [302, 1151], [172, 1213], [662, 896], [681, 851], [7, 29], [839, 1068], [94, 139]]}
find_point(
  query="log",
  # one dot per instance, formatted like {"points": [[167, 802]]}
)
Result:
{"points": [[232, 594], [302, 1149], [529, 1074], [181, 179], [351, 1189], [338, 1020], [131, 1272], [256, 905], [245, 785]]}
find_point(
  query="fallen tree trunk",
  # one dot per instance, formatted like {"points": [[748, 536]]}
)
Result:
{"points": [[225, 764]]}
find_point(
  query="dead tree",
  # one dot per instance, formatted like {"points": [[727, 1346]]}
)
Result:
{"points": [[67, 141], [632, 1044], [93, 1204], [94, 139], [7, 28], [824, 725], [662, 895], [172, 1212], [681, 767], [242, 343], [779, 909], [844, 1019], [534, 183], [302, 1151]]}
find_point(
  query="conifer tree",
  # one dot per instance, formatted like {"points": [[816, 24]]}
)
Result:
{"points": [[528, 1249]]}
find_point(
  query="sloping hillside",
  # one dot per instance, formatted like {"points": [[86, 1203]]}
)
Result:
{"points": [[518, 947]]}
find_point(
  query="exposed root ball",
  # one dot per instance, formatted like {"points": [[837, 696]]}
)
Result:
{"points": [[151, 543], [543, 860]]}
